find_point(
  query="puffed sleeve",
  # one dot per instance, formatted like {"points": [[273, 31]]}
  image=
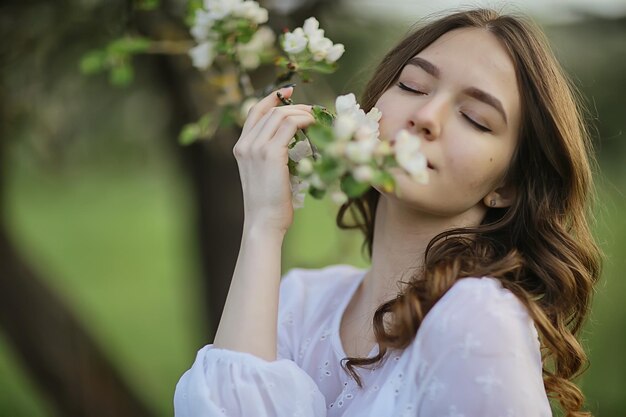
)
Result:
{"points": [[222, 382], [480, 355]]}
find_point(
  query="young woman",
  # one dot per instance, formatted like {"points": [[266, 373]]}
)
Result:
{"points": [[479, 280]]}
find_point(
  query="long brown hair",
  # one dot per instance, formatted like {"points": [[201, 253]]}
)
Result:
{"points": [[541, 248]]}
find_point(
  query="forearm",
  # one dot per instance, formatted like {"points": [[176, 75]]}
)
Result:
{"points": [[248, 322]]}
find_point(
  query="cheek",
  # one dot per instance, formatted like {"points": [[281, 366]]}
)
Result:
{"points": [[474, 168]]}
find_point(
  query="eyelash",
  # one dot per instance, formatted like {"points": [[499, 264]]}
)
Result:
{"points": [[476, 125]]}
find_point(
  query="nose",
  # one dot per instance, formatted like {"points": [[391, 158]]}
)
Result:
{"points": [[427, 117]]}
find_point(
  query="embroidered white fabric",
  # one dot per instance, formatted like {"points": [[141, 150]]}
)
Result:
{"points": [[475, 354]]}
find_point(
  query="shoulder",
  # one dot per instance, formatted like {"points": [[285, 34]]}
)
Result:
{"points": [[478, 354], [481, 313]]}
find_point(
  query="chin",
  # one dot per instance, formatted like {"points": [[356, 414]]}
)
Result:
{"points": [[406, 189]]}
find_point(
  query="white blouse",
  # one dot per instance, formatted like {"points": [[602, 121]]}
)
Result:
{"points": [[475, 354]]}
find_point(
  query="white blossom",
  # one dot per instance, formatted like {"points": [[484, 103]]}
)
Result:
{"points": [[298, 191], [346, 104], [361, 152], [261, 16], [365, 132], [406, 143], [219, 9], [407, 152], [319, 47], [344, 127], [374, 115], [295, 42], [264, 36], [311, 28], [305, 166], [251, 10], [338, 197], [249, 54], [383, 149], [202, 55], [310, 34], [316, 181], [201, 28], [336, 149], [363, 173], [248, 59], [301, 149], [335, 52]]}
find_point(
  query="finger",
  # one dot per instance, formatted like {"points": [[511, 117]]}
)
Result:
{"points": [[259, 109], [252, 134], [286, 132], [260, 132], [266, 128], [275, 118]]}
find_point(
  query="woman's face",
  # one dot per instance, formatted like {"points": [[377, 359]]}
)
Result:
{"points": [[460, 96]]}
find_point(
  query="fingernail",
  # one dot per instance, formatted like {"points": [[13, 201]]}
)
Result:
{"points": [[288, 85]]}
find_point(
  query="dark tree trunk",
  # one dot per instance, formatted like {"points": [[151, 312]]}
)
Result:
{"points": [[53, 345]]}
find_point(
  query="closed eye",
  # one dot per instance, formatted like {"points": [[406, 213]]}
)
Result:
{"points": [[477, 125], [405, 88]]}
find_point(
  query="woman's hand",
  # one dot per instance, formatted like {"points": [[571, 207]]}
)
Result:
{"points": [[261, 154]]}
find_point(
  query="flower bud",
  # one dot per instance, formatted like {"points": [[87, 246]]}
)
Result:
{"points": [[305, 166], [336, 149], [319, 47], [363, 173], [360, 152], [335, 52], [202, 55], [338, 197], [317, 182], [311, 26], [383, 149]]}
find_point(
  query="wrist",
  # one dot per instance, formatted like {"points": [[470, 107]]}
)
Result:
{"points": [[258, 229]]}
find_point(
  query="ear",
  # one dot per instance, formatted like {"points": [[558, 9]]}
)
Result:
{"points": [[501, 197]]}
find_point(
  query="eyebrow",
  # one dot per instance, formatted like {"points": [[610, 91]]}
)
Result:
{"points": [[474, 92]]}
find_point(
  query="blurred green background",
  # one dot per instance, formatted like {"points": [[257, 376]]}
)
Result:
{"points": [[96, 201]]}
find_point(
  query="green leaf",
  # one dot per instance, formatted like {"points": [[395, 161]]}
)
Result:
{"points": [[319, 134], [243, 24], [190, 13], [316, 192], [322, 115], [292, 167], [352, 187], [228, 117], [305, 76], [121, 75], [189, 134], [328, 169], [129, 45], [385, 180], [244, 37], [93, 62]]}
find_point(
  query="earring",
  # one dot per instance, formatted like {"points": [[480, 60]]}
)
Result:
{"points": [[492, 203]]}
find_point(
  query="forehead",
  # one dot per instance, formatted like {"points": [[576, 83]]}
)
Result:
{"points": [[474, 57]]}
